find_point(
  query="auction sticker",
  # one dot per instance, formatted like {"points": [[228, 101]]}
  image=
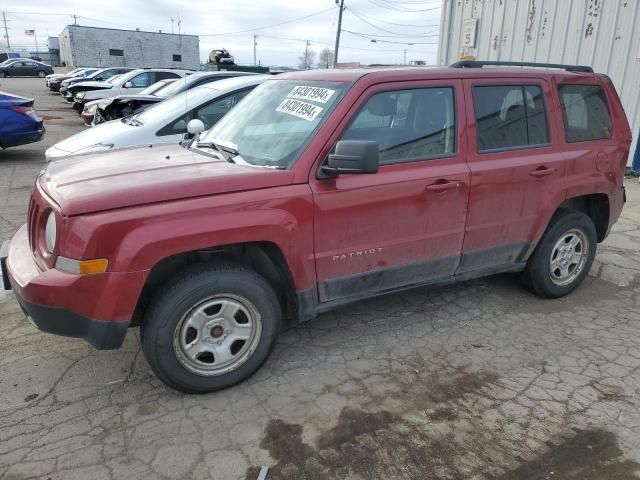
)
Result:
{"points": [[304, 110], [315, 94]]}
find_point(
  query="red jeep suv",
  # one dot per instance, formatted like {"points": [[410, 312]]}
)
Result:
{"points": [[319, 189]]}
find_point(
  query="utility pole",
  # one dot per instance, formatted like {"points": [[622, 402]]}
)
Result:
{"points": [[75, 19], [405, 56], [255, 44], [172, 26], [179, 34], [335, 52], [6, 30], [306, 56]]}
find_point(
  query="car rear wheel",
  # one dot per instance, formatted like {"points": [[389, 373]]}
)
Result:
{"points": [[42, 73], [3, 74], [211, 327], [562, 259]]}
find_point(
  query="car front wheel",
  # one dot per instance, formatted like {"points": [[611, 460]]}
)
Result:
{"points": [[211, 327], [564, 256], [42, 73], [3, 74]]}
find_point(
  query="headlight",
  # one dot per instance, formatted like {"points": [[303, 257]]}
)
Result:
{"points": [[50, 232], [81, 95], [91, 109]]}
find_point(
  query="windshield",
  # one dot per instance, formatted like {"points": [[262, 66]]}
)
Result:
{"points": [[114, 79], [176, 87], [272, 125], [174, 106]]}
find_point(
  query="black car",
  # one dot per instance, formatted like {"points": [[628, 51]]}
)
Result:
{"points": [[125, 105], [26, 68], [56, 82]]}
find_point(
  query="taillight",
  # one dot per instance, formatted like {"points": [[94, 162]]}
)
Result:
{"points": [[22, 110]]}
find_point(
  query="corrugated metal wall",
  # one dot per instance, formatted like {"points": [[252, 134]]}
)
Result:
{"points": [[602, 33]]}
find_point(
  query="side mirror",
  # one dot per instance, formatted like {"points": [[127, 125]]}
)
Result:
{"points": [[352, 156], [194, 128], [128, 85]]}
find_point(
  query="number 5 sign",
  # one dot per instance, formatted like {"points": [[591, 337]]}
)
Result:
{"points": [[469, 27]]}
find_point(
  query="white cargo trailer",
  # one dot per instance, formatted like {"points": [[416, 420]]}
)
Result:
{"points": [[604, 34]]}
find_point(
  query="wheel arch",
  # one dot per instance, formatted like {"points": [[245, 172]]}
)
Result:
{"points": [[595, 206], [265, 257]]}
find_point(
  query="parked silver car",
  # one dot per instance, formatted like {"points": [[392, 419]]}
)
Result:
{"points": [[164, 122]]}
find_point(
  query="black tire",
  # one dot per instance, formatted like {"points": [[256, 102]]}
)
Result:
{"points": [[178, 297], [538, 275], [41, 73], [3, 75]]}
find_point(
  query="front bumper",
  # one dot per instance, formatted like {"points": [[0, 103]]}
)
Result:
{"points": [[96, 308]]}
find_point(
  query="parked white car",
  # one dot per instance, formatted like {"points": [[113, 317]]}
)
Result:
{"points": [[126, 84], [164, 122]]}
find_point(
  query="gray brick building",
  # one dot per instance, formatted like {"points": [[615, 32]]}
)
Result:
{"points": [[108, 47]]}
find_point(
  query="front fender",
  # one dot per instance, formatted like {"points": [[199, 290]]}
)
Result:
{"points": [[136, 239]]}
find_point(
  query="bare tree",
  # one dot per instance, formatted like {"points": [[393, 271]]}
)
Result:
{"points": [[325, 59], [305, 61]]}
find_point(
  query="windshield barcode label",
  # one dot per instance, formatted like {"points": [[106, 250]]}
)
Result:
{"points": [[314, 94], [306, 111]]}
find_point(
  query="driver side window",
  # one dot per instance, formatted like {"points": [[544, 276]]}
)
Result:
{"points": [[142, 81], [408, 125]]}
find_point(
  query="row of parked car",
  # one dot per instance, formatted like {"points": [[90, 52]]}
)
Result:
{"points": [[128, 107]]}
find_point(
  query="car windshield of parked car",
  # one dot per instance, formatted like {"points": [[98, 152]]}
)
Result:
{"points": [[172, 107], [274, 123]]}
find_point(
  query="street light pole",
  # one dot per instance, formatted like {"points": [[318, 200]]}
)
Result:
{"points": [[335, 52]]}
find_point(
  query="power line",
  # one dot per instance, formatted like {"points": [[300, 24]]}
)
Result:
{"points": [[424, 34], [392, 23], [375, 40], [398, 8], [266, 26]]}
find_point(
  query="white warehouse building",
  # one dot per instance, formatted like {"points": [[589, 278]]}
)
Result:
{"points": [[602, 34], [82, 46]]}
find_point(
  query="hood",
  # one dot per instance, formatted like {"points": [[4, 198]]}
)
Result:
{"points": [[109, 133], [92, 84], [140, 98], [137, 176]]}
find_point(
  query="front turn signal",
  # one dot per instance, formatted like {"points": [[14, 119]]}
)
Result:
{"points": [[82, 267]]}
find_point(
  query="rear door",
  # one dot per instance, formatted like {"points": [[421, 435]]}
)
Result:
{"points": [[515, 169], [405, 224]]}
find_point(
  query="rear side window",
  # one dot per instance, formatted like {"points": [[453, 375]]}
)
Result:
{"points": [[585, 113], [408, 125], [166, 75], [509, 116]]}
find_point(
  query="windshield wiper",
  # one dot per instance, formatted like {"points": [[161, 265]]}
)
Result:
{"points": [[227, 151]]}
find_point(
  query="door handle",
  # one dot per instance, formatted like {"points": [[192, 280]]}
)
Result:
{"points": [[442, 186], [542, 172]]}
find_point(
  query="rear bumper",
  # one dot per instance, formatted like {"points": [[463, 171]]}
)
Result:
{"points": [[34, 133], [96, 308]]}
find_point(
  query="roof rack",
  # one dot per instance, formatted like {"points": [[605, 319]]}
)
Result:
{"points": [[480, 64]]}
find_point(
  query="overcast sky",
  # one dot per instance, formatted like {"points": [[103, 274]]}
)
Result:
{"points": [[218, 23]]}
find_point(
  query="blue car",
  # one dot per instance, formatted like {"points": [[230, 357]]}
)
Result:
{"points": [[19, 122]]}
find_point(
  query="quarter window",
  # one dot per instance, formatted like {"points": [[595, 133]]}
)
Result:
{"points": [[509, 116], [585, 113], [408, 125]]}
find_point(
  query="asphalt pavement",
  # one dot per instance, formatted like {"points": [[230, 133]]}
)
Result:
{"points": [[481, 380]]}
